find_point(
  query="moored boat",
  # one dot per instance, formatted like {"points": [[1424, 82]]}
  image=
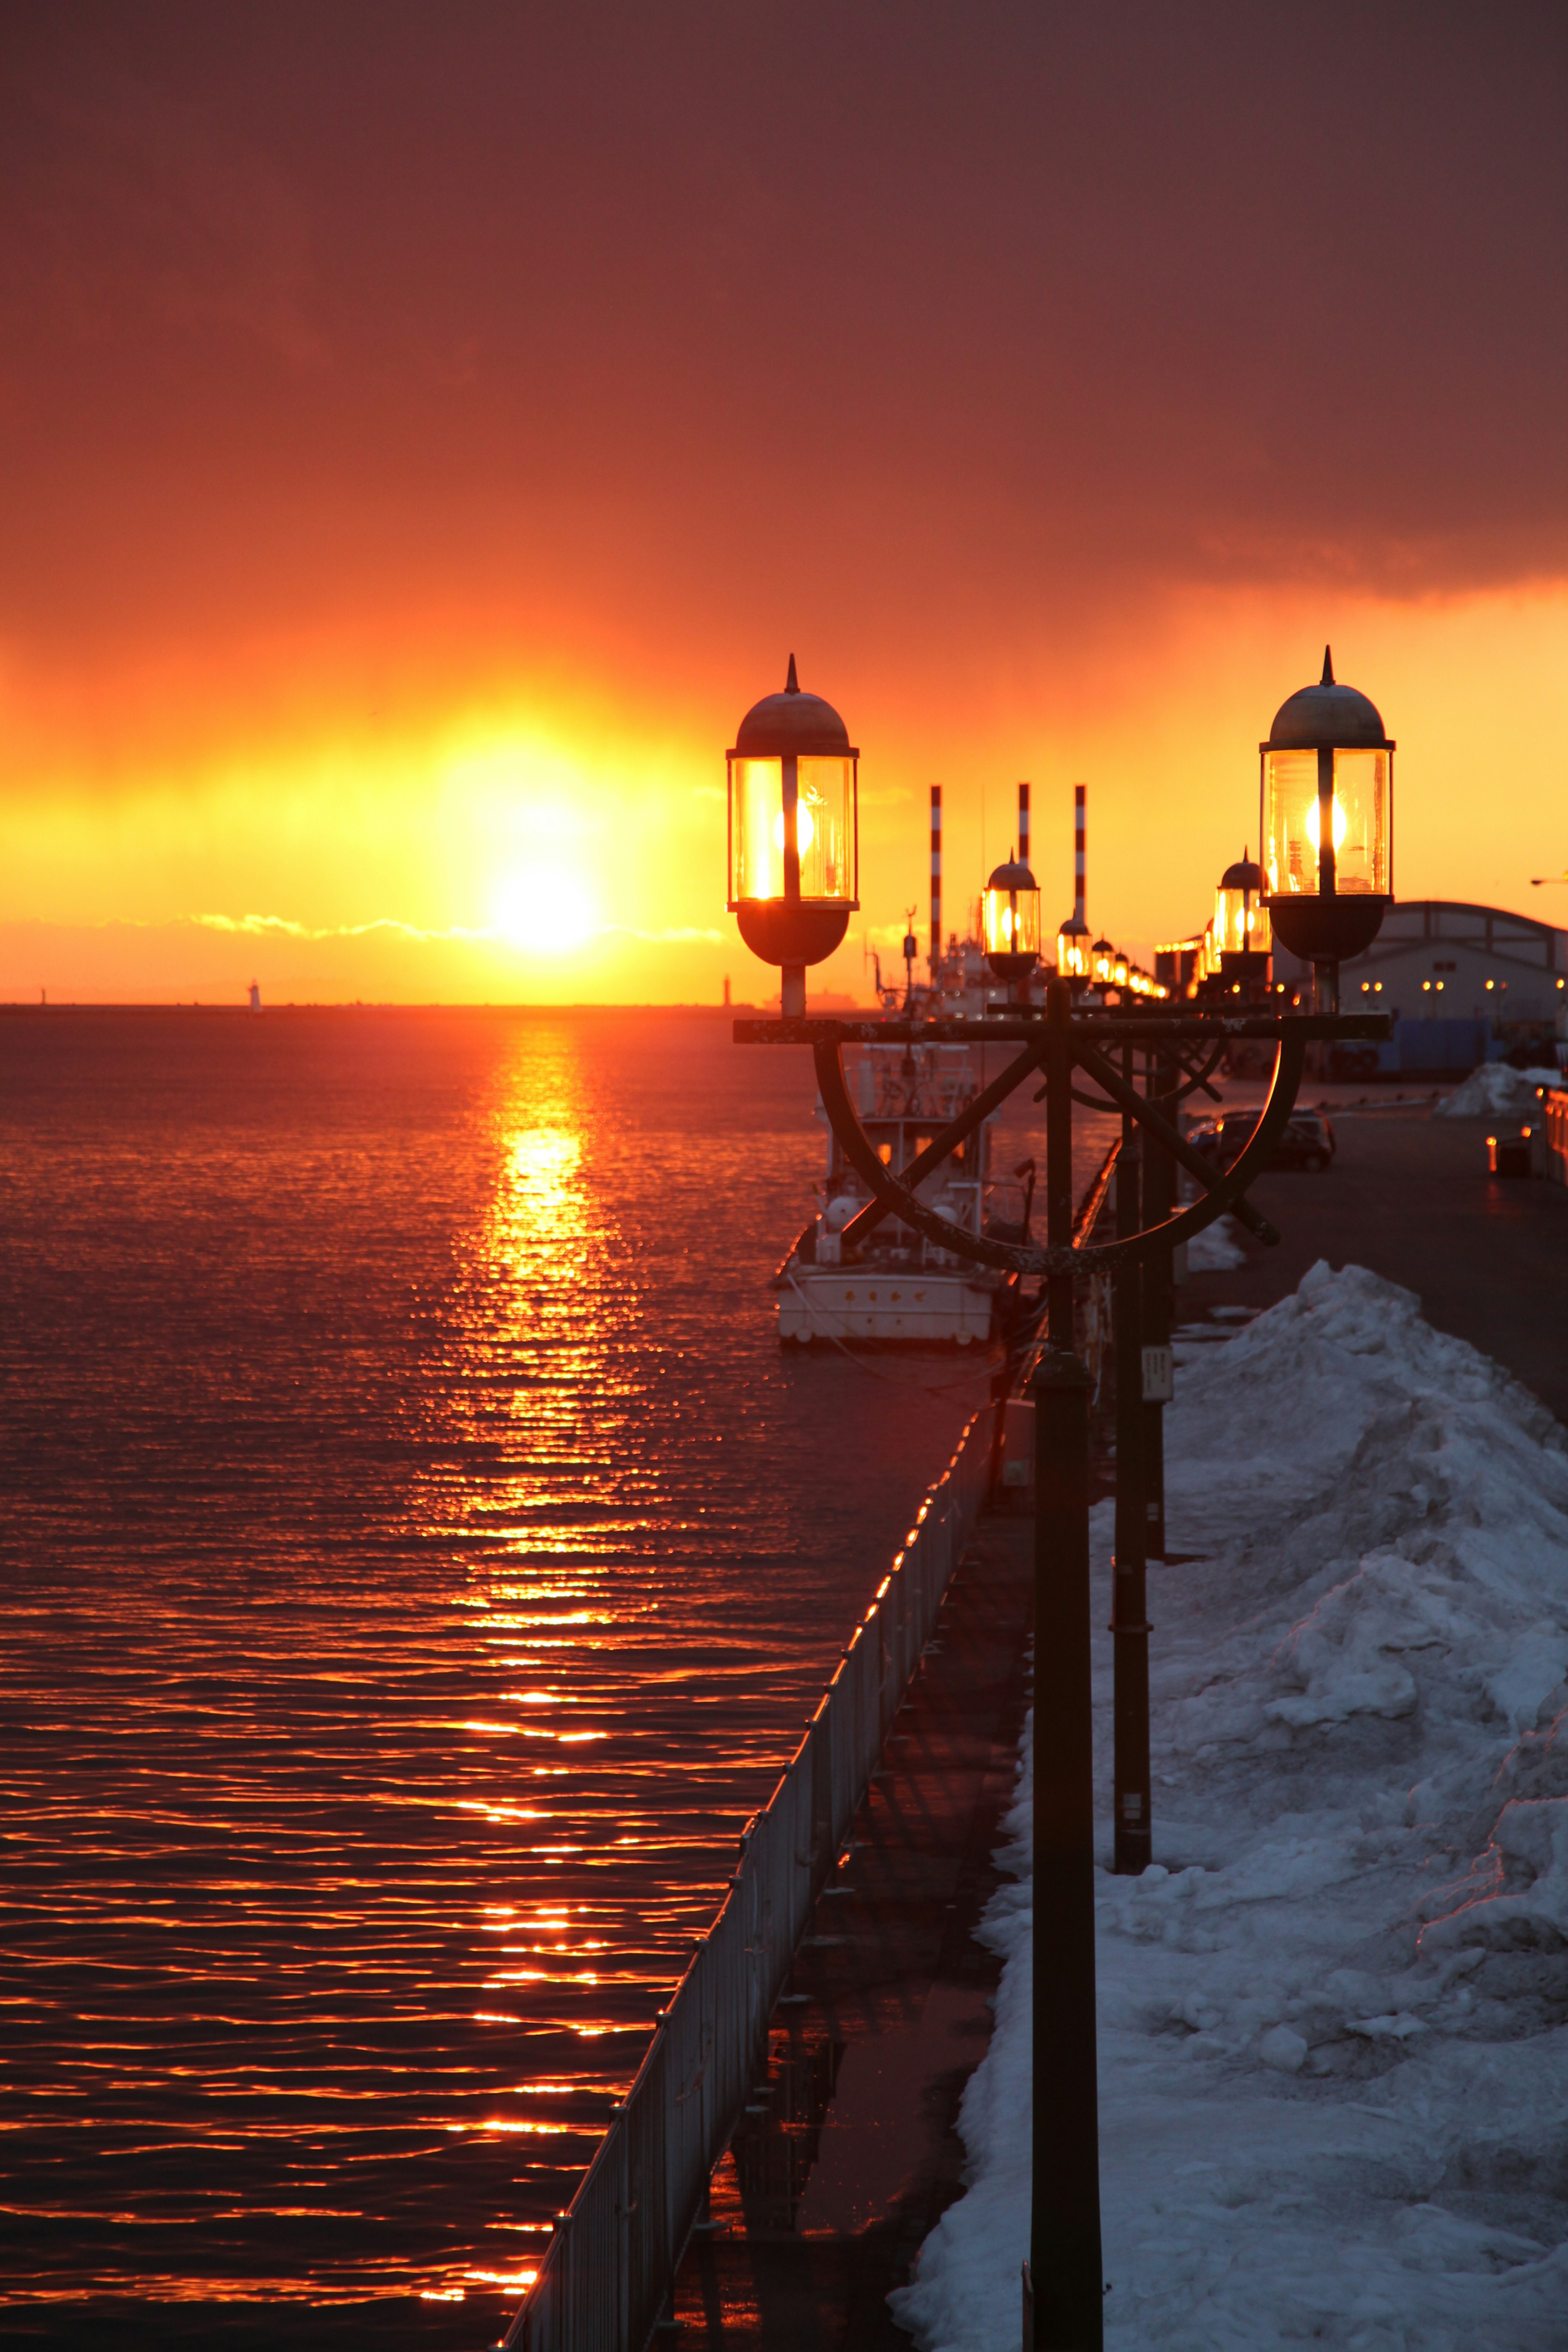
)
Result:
{"points": [[893, 1286]]}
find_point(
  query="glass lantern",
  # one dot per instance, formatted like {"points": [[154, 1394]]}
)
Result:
{"points": [[1326, 789], [1101, 962], [1240, 910], [1010, 921], [1072, 950], [794, 782]]}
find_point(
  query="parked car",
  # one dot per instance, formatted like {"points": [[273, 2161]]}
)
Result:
{"points": [[1308, 1141]]}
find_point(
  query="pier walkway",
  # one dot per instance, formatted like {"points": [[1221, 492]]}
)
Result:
{"points": [[849, 2153], [1409, 1197]]}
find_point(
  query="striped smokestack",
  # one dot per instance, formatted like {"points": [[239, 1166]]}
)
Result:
{"points": [[1023, 824], [1080, 852], [935, 880]]}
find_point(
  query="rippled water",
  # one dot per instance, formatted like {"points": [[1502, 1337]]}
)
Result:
{"points": [[418, 1560]]}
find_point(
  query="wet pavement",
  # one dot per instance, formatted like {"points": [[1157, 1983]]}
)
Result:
{"points": [[849, 2153], [1409, 1197]]}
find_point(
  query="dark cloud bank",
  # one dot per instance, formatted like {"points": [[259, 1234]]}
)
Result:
{"points": [[645, 309]]}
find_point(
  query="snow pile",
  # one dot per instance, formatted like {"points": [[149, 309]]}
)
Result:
{"points": [[1333, 2017], [1496, 1091], [1217, 1249]]}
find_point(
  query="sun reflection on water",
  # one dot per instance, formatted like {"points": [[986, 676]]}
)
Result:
{"points": [[421, 1592]]}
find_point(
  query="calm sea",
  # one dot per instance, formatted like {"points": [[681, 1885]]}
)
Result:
{"points": [[418, 1560]]}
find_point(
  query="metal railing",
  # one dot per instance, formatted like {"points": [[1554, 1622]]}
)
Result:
{"points": [[607, 2274]]}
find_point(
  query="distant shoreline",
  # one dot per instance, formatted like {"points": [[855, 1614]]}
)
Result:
{"points": [[16, 1010]]}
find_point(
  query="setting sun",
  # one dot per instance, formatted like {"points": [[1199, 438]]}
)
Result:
{"points": [[543, 910]]}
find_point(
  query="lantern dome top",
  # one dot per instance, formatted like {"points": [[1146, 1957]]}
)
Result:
{"points": [[1328, 715], [1243, 875], [1014, 876], [793, 725], [1074, 928]]}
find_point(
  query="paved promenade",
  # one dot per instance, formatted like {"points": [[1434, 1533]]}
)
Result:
{"points": [[850, 2153], [1408, 1196]]}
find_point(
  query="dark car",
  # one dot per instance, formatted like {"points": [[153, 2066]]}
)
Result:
{"points": [[1308, 1141]]}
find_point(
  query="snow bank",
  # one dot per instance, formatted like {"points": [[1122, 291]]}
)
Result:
{"points": [[1333, 2017], [1496, 1090], [1216, 1248]]}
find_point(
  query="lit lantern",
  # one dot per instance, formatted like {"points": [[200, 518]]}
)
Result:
{"points": [[1241, 925], [1072, 950], [1102, 962], [1010, 921], [1327, 786], [793, 833], [1119, 969]]}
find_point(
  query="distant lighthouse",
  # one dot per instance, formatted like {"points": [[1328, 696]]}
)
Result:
{"points": [[256, 996]]}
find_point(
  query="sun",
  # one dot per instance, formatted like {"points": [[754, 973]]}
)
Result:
{"points": [[543, 910]]}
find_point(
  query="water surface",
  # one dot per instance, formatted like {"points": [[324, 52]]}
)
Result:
{"points": [[418, 1560]]}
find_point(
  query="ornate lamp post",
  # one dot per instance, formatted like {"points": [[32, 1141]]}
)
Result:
{"points": [[1180, 1046], [1326, 783], [1072, 952], [1010, 922], [793, 833], [1241, 925]]}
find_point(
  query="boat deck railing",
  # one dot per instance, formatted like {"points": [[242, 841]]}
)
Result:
{"points": [[608, 2274]]}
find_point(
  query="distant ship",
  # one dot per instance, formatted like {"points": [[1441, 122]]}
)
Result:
{"points": [[895, 1285]]}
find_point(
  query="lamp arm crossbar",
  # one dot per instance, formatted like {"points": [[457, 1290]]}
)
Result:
{"points": [[939, 1149], [1194, 1078], [1015, 1257], [1140, 1108]]}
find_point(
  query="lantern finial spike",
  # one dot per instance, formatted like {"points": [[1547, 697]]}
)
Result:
{"points": [[792, 684], [1327, 679]]}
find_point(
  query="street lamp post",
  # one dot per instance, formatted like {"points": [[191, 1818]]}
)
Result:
{"points": [[1241, 926], [1326, 785], [1010, 924], [794, 801], [1181, 1045]]}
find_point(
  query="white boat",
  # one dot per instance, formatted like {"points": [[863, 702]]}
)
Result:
{"points": [[896, 1286]]}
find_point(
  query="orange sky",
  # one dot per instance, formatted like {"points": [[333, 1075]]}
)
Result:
{"points": [[428, 432]]}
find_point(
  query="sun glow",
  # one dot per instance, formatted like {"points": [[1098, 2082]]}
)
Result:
{"points": [[543, 910]]}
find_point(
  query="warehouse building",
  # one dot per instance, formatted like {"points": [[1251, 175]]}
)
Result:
{"points": [[1465, 983]]}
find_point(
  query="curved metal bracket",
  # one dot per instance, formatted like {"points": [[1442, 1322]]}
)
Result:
{"points": [[1225, 1189]]}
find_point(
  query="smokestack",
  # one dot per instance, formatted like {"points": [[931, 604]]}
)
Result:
{"points": [[1023, 824], [1080, 852], [935, 880]]}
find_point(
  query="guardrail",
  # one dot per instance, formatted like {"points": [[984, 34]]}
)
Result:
{"points": [[1556, 1110], [607, 2274]]}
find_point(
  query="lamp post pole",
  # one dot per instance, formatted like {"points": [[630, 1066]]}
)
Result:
{"points": [[1065, 2263], [1129, 1605], [1164, 1079]]}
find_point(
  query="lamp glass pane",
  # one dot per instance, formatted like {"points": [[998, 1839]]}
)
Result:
{"points": [[1072, 955], [1289, 823], [824, 828], [1241, 921], [756, 804], [1010, 922], [827, 814], [1360, 789], [1360, 823]]}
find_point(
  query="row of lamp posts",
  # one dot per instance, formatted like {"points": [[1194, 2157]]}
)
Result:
{"points": [[1324, 881]]}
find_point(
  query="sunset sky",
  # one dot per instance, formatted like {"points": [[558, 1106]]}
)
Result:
{"points": [[427, 428]]}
